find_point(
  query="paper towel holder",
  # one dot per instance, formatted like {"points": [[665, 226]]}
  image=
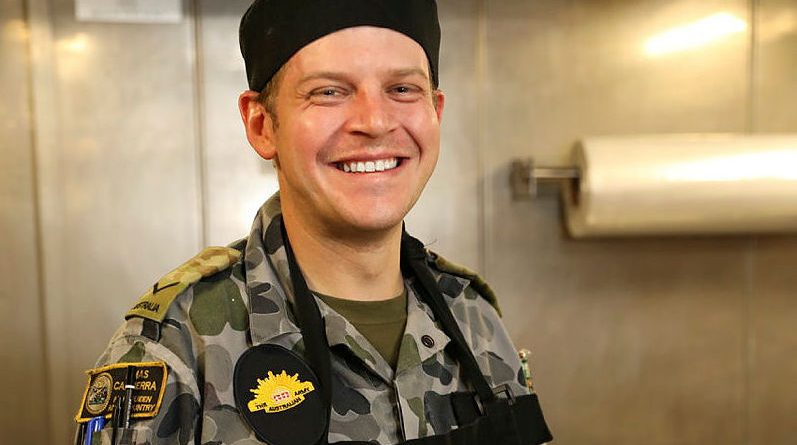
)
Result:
{"points": [[524, 176]]}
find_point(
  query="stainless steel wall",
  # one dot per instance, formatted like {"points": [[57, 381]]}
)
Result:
{"points": [[118, 177], [140, 160], [771, 305], [21, 327], [680, 340]]}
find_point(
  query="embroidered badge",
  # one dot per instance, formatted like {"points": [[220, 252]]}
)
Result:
{"points": [[107, 383], [278, 392], [99, 394]]}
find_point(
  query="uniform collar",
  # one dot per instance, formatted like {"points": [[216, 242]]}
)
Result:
{"points": [[267, 277]]}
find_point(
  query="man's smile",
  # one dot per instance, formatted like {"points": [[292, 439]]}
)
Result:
{"points": [[378, 165]]}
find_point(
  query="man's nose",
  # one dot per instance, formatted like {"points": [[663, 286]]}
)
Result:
{"points": [[372, 114]]}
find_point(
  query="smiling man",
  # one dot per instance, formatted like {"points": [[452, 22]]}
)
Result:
{"points": [[328, 323], [354, 128]]}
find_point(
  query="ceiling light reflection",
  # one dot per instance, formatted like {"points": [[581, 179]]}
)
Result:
{"points": [[76, 45], [695, 34]]}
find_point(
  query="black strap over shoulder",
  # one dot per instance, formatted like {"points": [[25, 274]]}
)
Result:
{"points": [[413, 259], [513, 421], [312, 326]]}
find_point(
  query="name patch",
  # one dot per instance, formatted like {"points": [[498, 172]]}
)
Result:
{"points": [[106, 384]]}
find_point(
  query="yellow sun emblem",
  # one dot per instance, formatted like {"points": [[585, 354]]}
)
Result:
{"points": [[278, 392]]}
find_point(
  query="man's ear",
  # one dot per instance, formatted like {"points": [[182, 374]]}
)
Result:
{"points": [[439, 103], [258, 123]]}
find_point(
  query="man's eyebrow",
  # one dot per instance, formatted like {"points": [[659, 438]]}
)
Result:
{"points": [[332, 75], [406, 72]]}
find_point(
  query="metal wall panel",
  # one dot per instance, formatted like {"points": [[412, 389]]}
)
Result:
{"points": [[21, 334], [772, 341], [237, 180], [447, 215], [775, 73], [635, 341], [772, 338], [118, 175]]}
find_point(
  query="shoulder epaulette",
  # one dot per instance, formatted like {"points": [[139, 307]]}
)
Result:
{"points": [[476, 282], [154, 304]]}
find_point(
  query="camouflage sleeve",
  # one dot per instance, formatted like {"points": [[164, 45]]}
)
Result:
{"points": [[490, 342], [176, 419]]}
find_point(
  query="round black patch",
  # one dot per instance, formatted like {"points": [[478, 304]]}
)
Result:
{"points": [[279, 396]]}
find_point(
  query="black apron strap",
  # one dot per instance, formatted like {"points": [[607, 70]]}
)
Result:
{"points": [[413, 259], [506, 421], [311, 324], [521, 423]]}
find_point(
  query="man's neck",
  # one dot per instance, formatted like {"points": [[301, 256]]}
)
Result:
{"points": [[355, 268]]}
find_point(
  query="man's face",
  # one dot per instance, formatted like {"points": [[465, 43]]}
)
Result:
{"points": [[358, 132]]}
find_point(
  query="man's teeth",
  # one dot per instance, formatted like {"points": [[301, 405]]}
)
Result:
{"points": [[369, 166]]}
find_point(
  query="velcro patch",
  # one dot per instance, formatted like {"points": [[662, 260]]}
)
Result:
{"points": [[106, 384]]}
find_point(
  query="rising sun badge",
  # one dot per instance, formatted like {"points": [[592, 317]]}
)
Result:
{"points": [[278, 392]]}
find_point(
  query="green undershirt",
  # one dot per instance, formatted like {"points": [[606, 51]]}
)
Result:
{"points": [[380, 322]]}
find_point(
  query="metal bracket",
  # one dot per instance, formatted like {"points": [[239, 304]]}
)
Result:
{"points": [[524, 177]]}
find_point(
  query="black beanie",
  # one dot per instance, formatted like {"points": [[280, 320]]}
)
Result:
{"points": [[272, 31]]}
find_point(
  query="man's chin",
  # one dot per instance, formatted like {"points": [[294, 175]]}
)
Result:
{"points": [[371, 223], [374, 226]]}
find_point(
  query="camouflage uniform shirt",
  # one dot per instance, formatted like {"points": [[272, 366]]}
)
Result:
{"points": [[244, 299]]}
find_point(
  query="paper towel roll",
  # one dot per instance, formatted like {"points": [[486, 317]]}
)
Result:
{"points": [[684, 184]]}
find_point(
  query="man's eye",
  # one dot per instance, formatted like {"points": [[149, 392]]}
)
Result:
{"points": [[405, 90], [326, 92], [406, 93]]}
